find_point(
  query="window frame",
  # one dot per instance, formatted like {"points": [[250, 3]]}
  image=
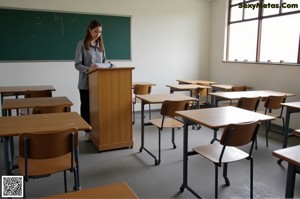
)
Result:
{"points": [[260, 19]]}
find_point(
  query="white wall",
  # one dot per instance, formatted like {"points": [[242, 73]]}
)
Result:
{"points": [[259, 76], [170, 40]]}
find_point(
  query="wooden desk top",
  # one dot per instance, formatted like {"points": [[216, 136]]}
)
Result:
{"points": [[290, 154], [160, 98], [143, 83], [219, 117], [188, 86], [118, 190], [238, 94], [292, 104], [204, 82], [225, 86], [14, 125], [32, 102], [22, 89]]}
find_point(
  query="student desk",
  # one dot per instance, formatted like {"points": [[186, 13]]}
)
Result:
{"points": [[143, 83], [238, 94], [213, 118], [156, 99], [291, 155], [189, 87], [117, 190], [202, 82], [9, 104], [223, 87], [291, 107], [15, 125], [20, 90]]}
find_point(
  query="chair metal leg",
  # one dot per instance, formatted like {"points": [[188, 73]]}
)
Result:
{"points": [[225, 166], [251, 178], [77, 171], [133, 113], [76, 186], [268, 126], [65, 182], [216, 181], [24, 185], [173, 138], [149, 112], [157, 162]]}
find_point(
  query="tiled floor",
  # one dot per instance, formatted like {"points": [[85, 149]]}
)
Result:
{"points": [[164, 181]]}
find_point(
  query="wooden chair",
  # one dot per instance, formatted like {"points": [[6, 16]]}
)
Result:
{"points": [[168, 120], [248, 103], [233, 89], [50, 109], [46, 153], [34, 94], [234, 135], [239, 88], [140, 89], [273, 103]]}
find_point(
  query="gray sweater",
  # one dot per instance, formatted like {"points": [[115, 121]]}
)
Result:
{"points": [[84, 59]]}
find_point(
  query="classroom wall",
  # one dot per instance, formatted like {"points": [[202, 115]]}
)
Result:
{"points": [[170, 40], [259, 76]]}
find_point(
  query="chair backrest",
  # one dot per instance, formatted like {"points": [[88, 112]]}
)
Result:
{"points": [[141, 89], [239, 134], [43, 93], [248, 103], [50, 109], [239, 88], [169, 107], [46, 145], [274, 102]]}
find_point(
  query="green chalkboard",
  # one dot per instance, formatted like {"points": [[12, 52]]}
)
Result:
{"points": [[40, 35]]}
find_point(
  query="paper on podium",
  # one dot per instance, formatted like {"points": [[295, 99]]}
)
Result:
{"points": [[104, 65]]}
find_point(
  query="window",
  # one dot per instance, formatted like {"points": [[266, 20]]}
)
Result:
{"points": [[263, 31]]}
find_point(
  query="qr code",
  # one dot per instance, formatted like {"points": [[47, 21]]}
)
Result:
{"points": [[12, 186]]}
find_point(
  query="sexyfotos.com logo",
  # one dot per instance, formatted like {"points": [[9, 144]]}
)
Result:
{"points": [[268, 5]]}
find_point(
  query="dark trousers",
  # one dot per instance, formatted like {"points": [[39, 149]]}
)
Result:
{"points": [[85, 105]]}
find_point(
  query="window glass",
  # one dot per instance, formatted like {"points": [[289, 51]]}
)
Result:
{"points": [[242, 42], [236, 13], [271, 7], [280, 38], [251, 11], [236, 1]]}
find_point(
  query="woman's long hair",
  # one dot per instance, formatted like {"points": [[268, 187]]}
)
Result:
{"points": [[87, 38]]}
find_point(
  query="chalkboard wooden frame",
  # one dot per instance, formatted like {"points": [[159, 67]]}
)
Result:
{"points": [[34, 35]]}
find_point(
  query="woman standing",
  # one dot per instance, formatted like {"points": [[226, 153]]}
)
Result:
{"points": [[88, 52]]}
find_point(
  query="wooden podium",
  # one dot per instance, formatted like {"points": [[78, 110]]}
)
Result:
{"points": [[111, 108]]}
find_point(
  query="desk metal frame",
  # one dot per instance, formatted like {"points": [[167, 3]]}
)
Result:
{"points": [[190, 88], [223, 116], [156, 99], [15, 125], [20, 90], [291, 155], [235, 95], [291, 107]]}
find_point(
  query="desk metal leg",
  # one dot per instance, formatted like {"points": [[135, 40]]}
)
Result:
{"points": [[185, 162], [286, 127], [289, 111], [8, 155], [215, 138], [290, 181], [142, 126]]}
